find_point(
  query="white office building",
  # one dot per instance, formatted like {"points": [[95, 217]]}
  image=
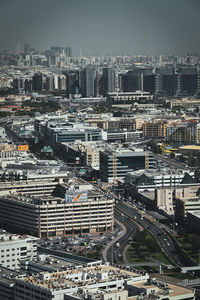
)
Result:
{"points": [[16, 247]]}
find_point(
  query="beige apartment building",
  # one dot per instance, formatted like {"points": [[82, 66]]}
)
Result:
{"points": [[155, 129], [167, 198]]}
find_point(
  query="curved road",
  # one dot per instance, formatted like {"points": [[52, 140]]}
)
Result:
{"points": [[114, 253], [106, 251], [162, 238]]}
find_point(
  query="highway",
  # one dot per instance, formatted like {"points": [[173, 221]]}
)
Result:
{"points": [[172, 163], [133, 220], [163, 239], [114, 254]]}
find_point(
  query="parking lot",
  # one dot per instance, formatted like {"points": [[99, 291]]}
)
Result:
{"points": [[82, 243]]}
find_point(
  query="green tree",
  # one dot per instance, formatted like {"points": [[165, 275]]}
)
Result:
{"points": [[152, 246], [155, 147]]}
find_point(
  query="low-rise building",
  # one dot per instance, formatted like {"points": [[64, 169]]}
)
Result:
{"points": [[11, 150], [16, 247], [81, 153], [150, 180], [158, 189], [32, 169], [54, 132], [7, 277], [190, 149], [98, 282], [122, 98], [58, 284]]}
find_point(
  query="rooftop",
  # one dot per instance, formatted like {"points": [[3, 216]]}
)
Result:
{"points": [[164, 288], [8, 237], [76, 277], [7, 276], [190, 147]]}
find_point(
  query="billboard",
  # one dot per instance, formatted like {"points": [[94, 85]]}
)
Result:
{"points": [[76, 196], [22, 147]]}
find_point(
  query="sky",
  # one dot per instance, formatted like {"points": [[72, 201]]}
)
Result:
{"points": [[100, 27]]}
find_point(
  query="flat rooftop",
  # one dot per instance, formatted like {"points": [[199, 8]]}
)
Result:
{"points": [[7, 276], [174, 290], [51, 263], [71, 277], [43, 200], [10, 237], [166, 171]]}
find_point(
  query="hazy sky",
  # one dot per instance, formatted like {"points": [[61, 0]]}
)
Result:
{"points": [[101, 26]]}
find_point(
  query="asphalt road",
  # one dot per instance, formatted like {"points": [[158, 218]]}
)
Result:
{"points": [[172, 163], [114, 253], [155, 229]]}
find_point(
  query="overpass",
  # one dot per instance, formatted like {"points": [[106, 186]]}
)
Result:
{"points": [[188, 269]]}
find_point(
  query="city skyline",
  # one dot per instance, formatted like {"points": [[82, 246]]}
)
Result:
{"points": [[96, 28]]}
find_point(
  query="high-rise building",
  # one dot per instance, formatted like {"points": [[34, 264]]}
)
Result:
{"points": [[53, 60], [148, 80], [38, 82], [62, 82], [166, 81], [89, 82], [28, 85], [27, 49], [49, 83], [58, 50], [69, 51], [72, 80], [108, 81], [131, 81], [187, 81]]}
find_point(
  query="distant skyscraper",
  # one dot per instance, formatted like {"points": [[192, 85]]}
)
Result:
{"points": [[72, 80], [188, 81], [62, 82], [58, 50], [89, 82], [148, 80], [37, 82], [27, 49], [166, 81], [28, 85], [69, 51], [50, 83], [132, 81], [53, 60], [108, 81]]}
